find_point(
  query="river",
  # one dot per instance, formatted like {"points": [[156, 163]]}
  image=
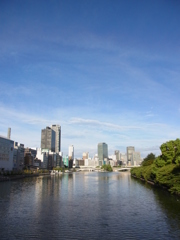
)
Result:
{"points": [[87, 205]]}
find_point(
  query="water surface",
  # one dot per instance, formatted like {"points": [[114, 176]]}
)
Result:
{"points": [[87, 205]]}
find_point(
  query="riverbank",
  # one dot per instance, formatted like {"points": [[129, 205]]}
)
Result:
{"points": [[166, 177], [16, 177]]}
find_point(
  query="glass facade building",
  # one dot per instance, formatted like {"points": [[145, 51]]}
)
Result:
{"points": [[102, 151], [57, 129]]}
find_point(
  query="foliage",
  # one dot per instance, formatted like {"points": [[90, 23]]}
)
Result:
{"points": [[58, 168], [170, 153], [148, 160], [165, 169], [107, 168]]}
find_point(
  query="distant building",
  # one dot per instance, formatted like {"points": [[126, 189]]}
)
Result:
{"points": [[57, 129], [9, 133], [29, 156], [91, 162], [123, 159], [102, 153], [71, 152], [18, 156], [117, 153], [66, 161], [85, 155], [112, 163], [52, 160], [136, 158], [49, 159], [43, 156], [130, 151], [48, 139], [80, 162], [6, 154]]}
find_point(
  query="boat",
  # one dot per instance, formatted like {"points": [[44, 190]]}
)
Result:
{"points": [[67, 171], [52, 172]]}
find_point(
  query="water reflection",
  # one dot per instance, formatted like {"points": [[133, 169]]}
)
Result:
{"points": [[87, 205]]}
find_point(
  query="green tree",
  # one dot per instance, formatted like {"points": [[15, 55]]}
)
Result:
{"points": [[170, 153], [107, 168], [149, 159]]}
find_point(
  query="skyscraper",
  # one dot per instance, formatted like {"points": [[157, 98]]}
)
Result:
{"points": [[102, 151], [9, 133], [57, 129], [117, 153], [130, 151], [71, 152], [48, 139]]}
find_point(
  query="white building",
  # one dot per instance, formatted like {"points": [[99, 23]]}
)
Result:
{"points": [[91, 162], [71, 152], [43, 156], [85, 155], [123, 158], [6, 154], [136, 158]]}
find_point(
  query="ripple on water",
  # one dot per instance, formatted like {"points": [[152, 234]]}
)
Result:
{"points": [[87, 206]]}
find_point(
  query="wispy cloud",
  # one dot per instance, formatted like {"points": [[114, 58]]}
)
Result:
{"points": [[92, 122]]}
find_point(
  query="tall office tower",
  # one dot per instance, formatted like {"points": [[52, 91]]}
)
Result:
{"points": [[117, 153], [130, 151], [9, 133], [71, 152], [48, 139], [57, 130], [136, 158], [102, 151]]}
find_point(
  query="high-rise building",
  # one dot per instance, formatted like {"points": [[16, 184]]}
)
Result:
{"points": [[117, 153], [48, 137], [57, 129], [9, 133], [71, 152], [6, 154], [130, 151], [102, 151]]}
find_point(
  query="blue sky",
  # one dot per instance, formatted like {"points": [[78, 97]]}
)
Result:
{"points": [[106, 71]]}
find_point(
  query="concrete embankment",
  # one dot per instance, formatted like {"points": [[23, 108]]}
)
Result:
{"points": [[152, 183], [142, 179], [16, 177]]}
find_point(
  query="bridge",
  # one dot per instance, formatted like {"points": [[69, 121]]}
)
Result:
{"points": [[115, 169]]}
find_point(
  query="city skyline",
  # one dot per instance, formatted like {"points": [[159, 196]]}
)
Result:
{"points": [[104, 71]]}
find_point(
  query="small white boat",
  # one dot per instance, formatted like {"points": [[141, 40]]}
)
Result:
{"points": [[52, 172], [67, 171]]}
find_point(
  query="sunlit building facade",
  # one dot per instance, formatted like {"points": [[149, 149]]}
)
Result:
{"points": [[6, 154]]}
